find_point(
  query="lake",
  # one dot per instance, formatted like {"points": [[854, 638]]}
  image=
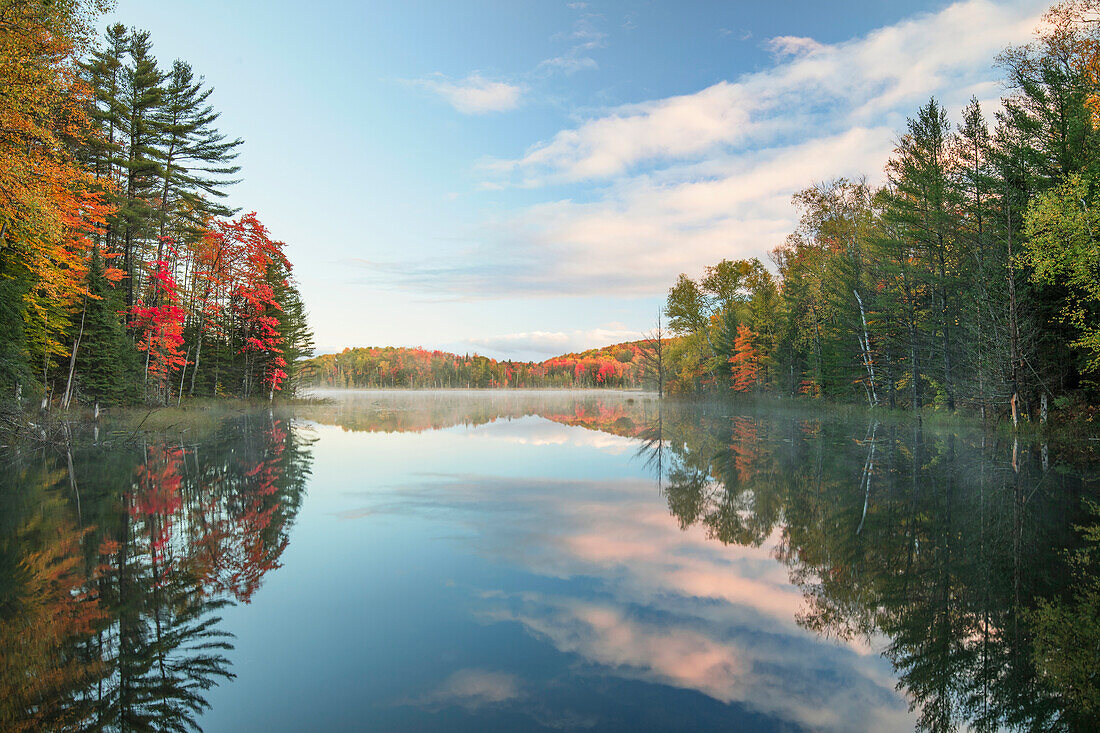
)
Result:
{"points": [[596, 561]]}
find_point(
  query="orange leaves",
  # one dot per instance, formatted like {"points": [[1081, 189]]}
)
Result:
{"points": [[47, 209], [618, 365], [745, 362]]}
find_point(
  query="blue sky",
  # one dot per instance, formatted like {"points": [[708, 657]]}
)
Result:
{"points": [[526, 178]]}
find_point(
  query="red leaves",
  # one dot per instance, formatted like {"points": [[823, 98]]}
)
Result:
{"points": [[161, 322], [253, 294], [613, 366]]}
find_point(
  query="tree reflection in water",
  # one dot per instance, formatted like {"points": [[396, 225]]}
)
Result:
{"points": [[114, 565], [972, 560], [938, 545]]}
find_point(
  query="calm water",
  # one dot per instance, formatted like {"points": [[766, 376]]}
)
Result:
{"points": [[533, 561]]}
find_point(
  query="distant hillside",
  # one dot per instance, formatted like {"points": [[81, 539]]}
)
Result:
{"points": [[619, 365]]}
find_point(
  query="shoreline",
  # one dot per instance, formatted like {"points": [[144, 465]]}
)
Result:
{"points": [[29, 426]]}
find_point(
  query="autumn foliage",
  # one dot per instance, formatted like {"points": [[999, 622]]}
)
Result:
{"points": [[745, 363], [159, 325], [620, 365], [121, 274]]}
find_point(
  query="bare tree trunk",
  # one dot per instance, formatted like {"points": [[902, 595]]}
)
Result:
{"points": [[195, 370], [72, 357], [865, 347], [1013, 325], [45, 362], [653, 356], [183, 372], [913, 366]]}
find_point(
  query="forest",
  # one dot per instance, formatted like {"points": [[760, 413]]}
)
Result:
{"points": [[966, 281], [622, 366], [969, 280], [125, 277]]}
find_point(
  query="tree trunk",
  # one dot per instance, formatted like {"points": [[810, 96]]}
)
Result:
{"points": [[1013, 325], [183, 373], [865, 347], [195, 369], [72, 357]]}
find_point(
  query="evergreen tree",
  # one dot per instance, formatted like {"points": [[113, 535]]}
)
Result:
{"points": [[196, 159], [920, 207], [724, 343], [102, 72], [14, 366], [297, 338], [140, 104], [106, 363], [981, 323]]}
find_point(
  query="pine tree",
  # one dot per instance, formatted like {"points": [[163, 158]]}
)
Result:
{"points": [[297, 338], [102, 72], [141, 100], [196, 159], [763, 315], [980, 315], [14, 367], [724, 343], [920, 250], [106, 363]]}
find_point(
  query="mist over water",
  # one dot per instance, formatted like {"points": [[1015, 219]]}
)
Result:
{"points": [[524, 560]]}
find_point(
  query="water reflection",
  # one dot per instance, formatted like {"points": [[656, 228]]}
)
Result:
{"points": [[115, 563], [941, 542], [566, 561], [933, 547]]}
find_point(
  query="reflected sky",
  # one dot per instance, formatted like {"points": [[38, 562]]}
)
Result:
{"points": [[547, 561], [524, 574]]}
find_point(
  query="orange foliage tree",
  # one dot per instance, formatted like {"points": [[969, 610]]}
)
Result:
{"points": [[47, 208], [745, 361]]}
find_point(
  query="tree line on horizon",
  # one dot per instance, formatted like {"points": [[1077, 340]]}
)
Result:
{"points": [[124, 274], [620, 366], [970, 279]]}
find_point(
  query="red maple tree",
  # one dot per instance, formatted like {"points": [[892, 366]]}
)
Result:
{"points": [[160, 323]]}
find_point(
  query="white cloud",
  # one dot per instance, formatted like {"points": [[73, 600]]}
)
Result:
{"points": [[815, 89], [794, 46], [668, 128], [677, 183], [584, 37], [741, 35], [475, 94], [569, 62]]}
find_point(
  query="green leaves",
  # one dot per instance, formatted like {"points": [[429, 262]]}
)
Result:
{"points": [[1062, 250]]}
